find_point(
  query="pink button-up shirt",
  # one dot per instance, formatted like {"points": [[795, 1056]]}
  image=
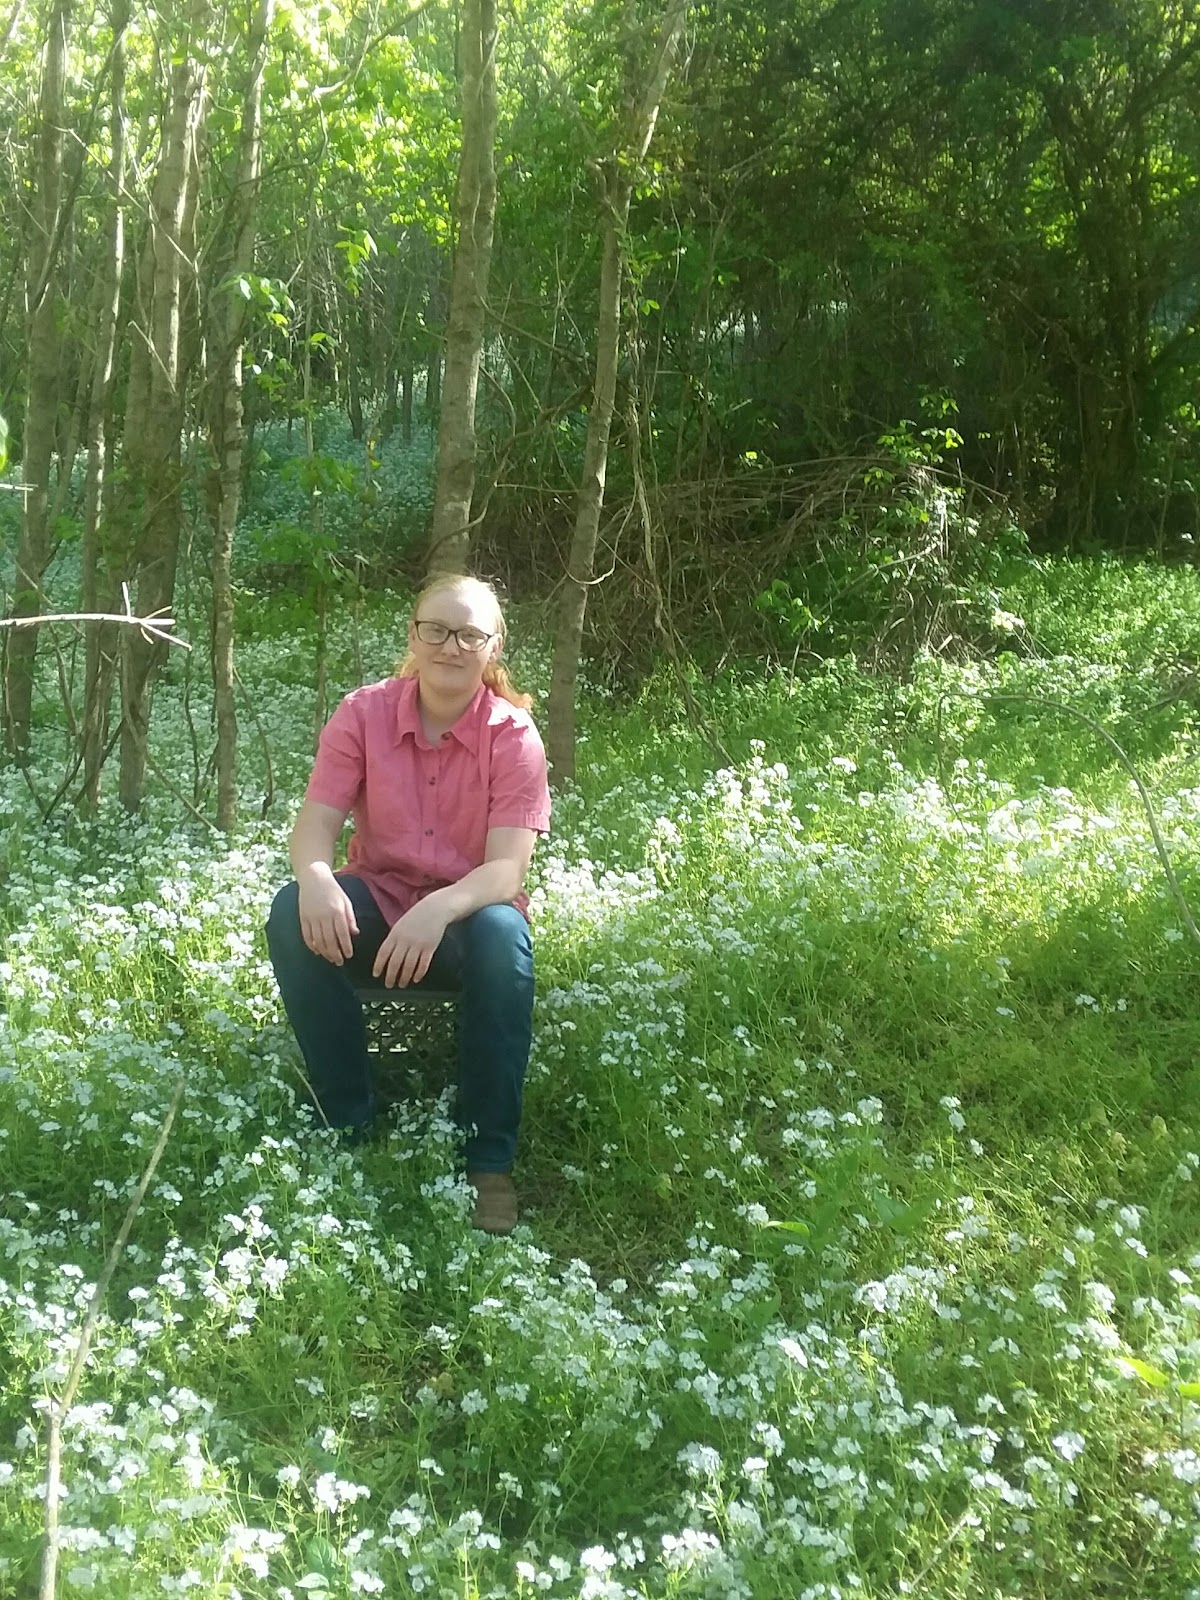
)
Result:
{"points": [[422, 811]]}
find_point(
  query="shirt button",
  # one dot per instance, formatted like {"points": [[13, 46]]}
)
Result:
{"points": [[433, 780], [429, 833]]}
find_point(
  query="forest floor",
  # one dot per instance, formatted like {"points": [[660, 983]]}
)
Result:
{"points": [[861, 1164]]}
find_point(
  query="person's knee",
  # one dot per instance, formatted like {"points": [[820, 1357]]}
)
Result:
{"points": [[499, 948], [283, 923]]}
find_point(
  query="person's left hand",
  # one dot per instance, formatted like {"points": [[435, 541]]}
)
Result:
{"points": [[405, 954]]}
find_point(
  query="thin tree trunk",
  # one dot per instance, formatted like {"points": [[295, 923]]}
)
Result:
{"points": [[435, 334], [156, 454], [354, 405], [406, 397], [98, 579], [225, 423], [450, 540], [41, 414], [14, 16], [589, 502]]}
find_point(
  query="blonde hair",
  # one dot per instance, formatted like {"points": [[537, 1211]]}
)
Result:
{"points": [[495, 674]]}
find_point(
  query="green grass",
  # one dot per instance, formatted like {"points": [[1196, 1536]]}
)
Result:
{"points": [[905, 977]]}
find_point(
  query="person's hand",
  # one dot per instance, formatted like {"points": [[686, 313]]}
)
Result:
{"points": [[327, 919], [405, 954]]}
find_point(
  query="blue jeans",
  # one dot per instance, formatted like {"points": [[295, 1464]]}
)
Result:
{"points": [[488, 956]]}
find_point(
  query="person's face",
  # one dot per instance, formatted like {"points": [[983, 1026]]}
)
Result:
{"points": [[448, 666]]}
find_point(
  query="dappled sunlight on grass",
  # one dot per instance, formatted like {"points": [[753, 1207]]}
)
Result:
{"points": [[860, 1170]]}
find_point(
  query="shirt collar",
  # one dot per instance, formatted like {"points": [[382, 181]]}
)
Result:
{"points": [[465, 730]]}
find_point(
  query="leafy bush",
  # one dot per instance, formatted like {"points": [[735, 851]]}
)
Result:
{"points": [[914, 567]]}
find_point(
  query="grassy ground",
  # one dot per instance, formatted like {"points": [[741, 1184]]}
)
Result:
{"points": [[860, 1163]]}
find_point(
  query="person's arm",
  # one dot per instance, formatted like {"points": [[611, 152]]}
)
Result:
{"points": [[405, 954], [500, 879], [326, 915]]}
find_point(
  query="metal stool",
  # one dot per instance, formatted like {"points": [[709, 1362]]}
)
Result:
{"points": [[412, 1038]]}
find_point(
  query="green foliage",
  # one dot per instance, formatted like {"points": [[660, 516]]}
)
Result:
{"points": [[914, 567], [374, 508], [861, 1166]]}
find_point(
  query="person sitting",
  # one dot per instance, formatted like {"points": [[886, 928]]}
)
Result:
{"points": [[444, 773]]}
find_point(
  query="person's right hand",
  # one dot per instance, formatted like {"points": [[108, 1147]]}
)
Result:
{"points": [[327, 920]]}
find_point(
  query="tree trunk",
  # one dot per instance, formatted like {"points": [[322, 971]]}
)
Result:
{"points": [[153, 455], [225, 420], [354, 406], [572, 606], [98, 578], [568, 631], [450, 540], [435, 335], [41, 415]]}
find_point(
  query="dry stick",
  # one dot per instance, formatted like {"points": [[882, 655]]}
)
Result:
{"points": [[156, 626], [42, 810], [940, 1550], [269, 797], [58, 1411], [61, 792], [1096, 727], [164, 780]]}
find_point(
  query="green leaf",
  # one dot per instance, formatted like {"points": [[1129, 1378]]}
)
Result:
{"points": [[3, 444], [323, 1565], [896, 1215], [1189, 1391], [802, 1228], [1154, 1376]]}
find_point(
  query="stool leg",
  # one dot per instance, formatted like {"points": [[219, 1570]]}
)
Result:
{"points": [[321, 1006]]}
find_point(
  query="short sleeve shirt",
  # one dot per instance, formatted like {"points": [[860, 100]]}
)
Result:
{"points": [[422, 811]]}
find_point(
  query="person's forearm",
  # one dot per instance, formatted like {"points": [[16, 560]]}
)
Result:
{"points": [[311, 848], [494, 883]]}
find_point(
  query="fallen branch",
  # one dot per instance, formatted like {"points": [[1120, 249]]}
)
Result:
{"points": [[152, 626], [60, 1408]]}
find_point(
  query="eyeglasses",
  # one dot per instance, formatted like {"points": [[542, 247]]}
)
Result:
{"points": [[472, 639]]}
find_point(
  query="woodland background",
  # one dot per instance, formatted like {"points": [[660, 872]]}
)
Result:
{"points": [[820, 381], [856, 290]]}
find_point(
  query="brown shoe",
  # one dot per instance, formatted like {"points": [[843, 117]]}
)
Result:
{"points": [[495, 1209]]}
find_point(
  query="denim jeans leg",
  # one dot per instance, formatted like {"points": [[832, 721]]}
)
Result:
{"points": [[489, 955], [321, 1006]]}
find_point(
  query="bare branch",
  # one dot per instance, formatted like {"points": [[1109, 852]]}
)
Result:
{"points": [[155, 626]]}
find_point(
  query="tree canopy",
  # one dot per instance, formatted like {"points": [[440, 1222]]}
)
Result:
{"points": [[856, 222]]}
